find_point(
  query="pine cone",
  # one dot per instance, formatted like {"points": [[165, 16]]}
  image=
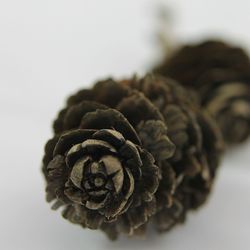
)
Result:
{"points": [[198, 148], [112, 166], [101, 166], [227, 98], [221, 75]]}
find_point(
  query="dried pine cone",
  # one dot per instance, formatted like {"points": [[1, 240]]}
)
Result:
{"points": [[198, 148], [227, 98], [221, 75], [112, 166], [100, 166]]}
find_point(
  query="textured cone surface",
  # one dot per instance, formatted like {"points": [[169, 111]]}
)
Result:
{"points": [[128, 153], [198, 149], [103, 166], [221, 75]]}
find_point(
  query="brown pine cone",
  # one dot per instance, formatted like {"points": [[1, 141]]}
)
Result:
{"points": [[111, 164], [198, 148], [227, 98], [221, 75], [100, 166]]}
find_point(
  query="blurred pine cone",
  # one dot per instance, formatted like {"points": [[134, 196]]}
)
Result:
{"points": [[101, 166], [198, 148], [221, 75]]}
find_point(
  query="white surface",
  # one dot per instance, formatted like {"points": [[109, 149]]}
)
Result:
{"points": [[50, 48]]}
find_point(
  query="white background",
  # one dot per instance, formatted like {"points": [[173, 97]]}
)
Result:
{"points": [[49, 49]]}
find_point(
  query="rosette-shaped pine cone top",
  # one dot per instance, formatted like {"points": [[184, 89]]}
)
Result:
{"points": [[221, 75], [100, 166], [198, 148]]}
